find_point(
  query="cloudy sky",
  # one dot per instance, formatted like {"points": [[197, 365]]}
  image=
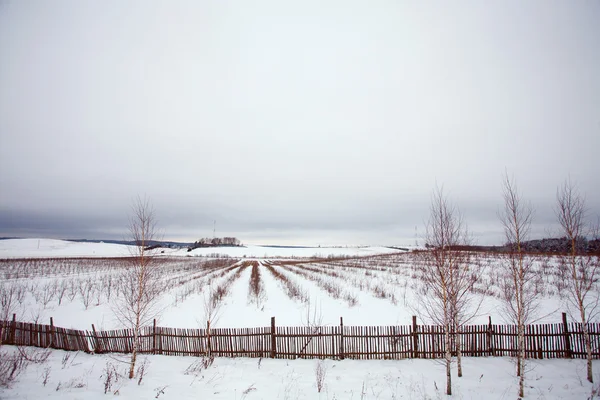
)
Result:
{"points": [[308, 122]]}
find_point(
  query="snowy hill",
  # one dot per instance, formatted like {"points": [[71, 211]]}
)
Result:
{"points": [[51, 248]]}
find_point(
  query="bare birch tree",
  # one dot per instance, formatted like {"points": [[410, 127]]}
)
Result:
{"points": [[518, 287], [448, 278], [579, 271], [140, 285]]}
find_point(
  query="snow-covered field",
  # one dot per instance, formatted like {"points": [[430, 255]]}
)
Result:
{"points": [[381, 290], [83, 376], [49, 279], [48, 248]]}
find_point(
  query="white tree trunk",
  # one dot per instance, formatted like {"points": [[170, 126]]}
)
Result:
{"points": [[448, 361], [133, 354], [588, 350], [521, 359], [458, 352]]}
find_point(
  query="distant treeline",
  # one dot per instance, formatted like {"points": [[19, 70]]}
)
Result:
{"points": [[216, 242], [545, 246], [149, 243]]}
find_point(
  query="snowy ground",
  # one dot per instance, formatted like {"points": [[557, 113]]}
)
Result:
{"points": [[84, 376], [36, 248], [381, 290]]}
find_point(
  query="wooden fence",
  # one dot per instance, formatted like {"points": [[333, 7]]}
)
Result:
{"points": [[563, 340]]}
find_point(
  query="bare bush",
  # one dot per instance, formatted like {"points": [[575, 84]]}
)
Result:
{"points": [[61, 291], [46, 375], [98, 296], [12, 364], [142, 370], [33, 355], [66, 359], [203, 363], [320, 374], [72, 290], [109, 377], [86, 292], [45, 295], [21, 291], [8, 300], [160, 390], [108, 286]]}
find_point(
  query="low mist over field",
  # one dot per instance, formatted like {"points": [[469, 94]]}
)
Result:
{"points": [[313, 123]]}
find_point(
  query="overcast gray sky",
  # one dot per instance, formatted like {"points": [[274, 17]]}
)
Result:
{"points": [[292, 122]]}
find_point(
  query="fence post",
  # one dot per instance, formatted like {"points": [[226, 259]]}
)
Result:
{"points": [[97, 348], [273, 341], [341, 338], [13, 330], [208, 348], [415, 352], [568, 352], [154, 337], [51, 341], [490, 338]]}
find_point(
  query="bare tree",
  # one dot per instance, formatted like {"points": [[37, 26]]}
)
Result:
{"points": [[518, 287], [448, 279], [140, 285], [579, 271]]}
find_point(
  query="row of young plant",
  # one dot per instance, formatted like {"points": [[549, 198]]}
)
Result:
{"points": [[325, 282], [377, 281], [256, 289], [195, 284], [384, 275], [290, 287], [31, 297], [26, 268]]}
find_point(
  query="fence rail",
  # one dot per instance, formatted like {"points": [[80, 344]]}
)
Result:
{"points": [[561, 340]]}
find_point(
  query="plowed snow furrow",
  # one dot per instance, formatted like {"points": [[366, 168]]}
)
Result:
{"points": [[372, 265], [330, 286], [291, 288], [221, 290], [256, 287], [197, 283], [206, 269], [379, 285]]}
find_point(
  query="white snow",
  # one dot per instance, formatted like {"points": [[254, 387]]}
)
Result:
{"points": [[395, 277], [36, 248], [83, 376], [395, 304]]}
